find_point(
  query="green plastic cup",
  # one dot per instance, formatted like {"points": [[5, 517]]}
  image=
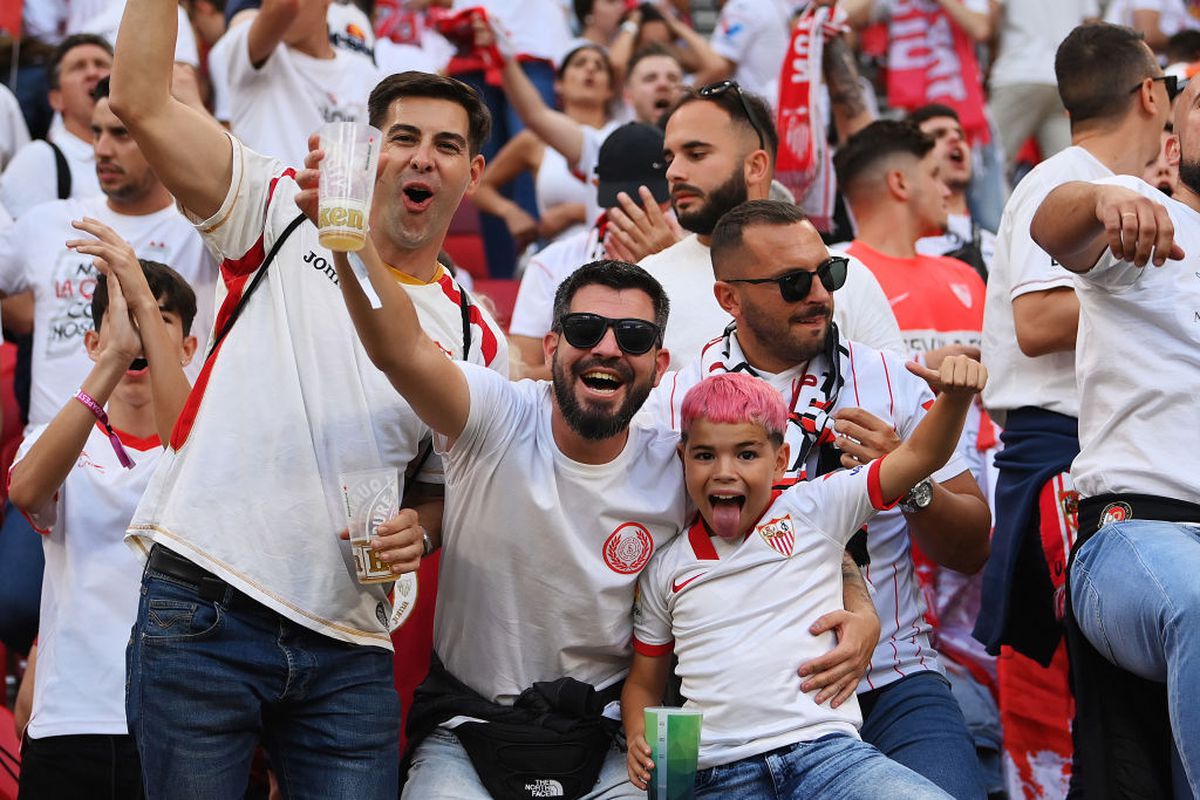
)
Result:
{"points": [[674, 738]]}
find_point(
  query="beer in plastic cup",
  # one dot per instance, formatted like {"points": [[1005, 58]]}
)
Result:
{"points": [[372, 497], [674, 738], [347, 182]]}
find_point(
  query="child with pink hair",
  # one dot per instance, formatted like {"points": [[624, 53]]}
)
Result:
{"points": [[734, 595]]}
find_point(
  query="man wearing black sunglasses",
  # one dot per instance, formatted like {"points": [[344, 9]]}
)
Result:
{"points": [[720, 144], [554, 504], [849, 404], [1029, 345]]}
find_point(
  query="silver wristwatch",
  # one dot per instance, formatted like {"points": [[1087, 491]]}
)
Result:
{"points": [[918, 498]]}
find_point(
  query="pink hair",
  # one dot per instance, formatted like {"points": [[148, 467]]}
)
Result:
{"points": [[732, 398]]}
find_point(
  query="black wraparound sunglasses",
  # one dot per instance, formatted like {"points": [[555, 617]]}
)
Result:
{"points": [[721, 87], [794, 285], [634, 336], [1172, 82]]}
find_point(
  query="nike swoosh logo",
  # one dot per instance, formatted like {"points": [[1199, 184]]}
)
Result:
{"points": [[900, 298], [678, 587]]}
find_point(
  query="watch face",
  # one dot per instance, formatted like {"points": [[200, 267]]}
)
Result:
{"points": [[919, 497]]}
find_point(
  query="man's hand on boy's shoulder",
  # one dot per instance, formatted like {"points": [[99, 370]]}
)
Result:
{"points": [[956, 375]]}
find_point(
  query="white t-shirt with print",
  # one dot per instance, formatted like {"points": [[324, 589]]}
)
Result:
{"points": [[684, 269], [879, 383], [1139, 368], [739, 620], [274, 108], [249, 489], [90, 587], [1021, 267], [541, 553], [31, 177], [34, 257]]}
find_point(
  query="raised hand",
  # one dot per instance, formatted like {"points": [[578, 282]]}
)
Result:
{"points": [[957, 375]]}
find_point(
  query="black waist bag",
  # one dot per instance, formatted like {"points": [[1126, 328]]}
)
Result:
{"points": [[557, 753]]}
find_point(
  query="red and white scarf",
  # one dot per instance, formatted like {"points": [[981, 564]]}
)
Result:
{"points": [[932, 60], [804, 162]]}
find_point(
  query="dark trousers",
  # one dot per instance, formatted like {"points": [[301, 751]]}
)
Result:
{"points": [[95, 766]]}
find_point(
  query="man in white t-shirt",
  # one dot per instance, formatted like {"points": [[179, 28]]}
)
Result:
{"points": [[849, 404], [244, 512], [34, 258], [1132, 578], [34, 175], [964, 238], [718, 157], [285, 79], [1029, 342]]}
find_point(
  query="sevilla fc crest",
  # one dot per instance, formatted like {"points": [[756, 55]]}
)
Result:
{"points": [[628, 548], [779, 534]]}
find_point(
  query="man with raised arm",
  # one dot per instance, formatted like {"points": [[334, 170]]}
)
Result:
{"points": [[252, 625]]}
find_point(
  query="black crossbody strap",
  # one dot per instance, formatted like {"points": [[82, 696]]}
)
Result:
{"points": [[254, 282], [62, 170]]}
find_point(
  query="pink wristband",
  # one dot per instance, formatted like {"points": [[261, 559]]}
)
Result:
{"points": [[98, 410]]}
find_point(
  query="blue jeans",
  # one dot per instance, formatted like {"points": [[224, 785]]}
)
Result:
{"points": [[22, 563], [1137, 600], [498, 244], [442, 769], [832, 768], [207, 681], [917, 722]]}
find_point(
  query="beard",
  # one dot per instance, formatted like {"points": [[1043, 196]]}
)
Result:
{"points": [[728, 195], [590, 422], [1189, 175], [775, 335]]}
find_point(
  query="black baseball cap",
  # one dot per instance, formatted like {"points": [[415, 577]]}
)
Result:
{"points": [[630, 157]]}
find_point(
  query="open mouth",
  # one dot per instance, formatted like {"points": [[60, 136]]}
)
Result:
{"points": [[138, 365], [662, 104], [726, 513], [601, 382], [957, 156], [416, 196]]}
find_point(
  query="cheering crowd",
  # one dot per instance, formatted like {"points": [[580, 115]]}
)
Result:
{"points": [[826, 374]]}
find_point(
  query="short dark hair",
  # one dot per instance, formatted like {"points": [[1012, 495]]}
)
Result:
{"points": [[67, 45], [1097, 65], [438, 87], [932, 111], [168, 287], [1183, 46], [727, 235], [649, 51], [879, 140], [730, 104], [101, 90], [618, 275]]}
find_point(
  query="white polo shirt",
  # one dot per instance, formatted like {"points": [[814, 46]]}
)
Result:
{"points": [[876, 382], [1021, 267], [290, 400], [541, 553], [1139, 368], [738, 614]]}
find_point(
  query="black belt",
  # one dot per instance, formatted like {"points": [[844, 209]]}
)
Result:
{"points": [[1096, 512], [210, 587]]}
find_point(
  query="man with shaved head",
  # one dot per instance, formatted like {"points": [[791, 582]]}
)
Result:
{"points": [[1118, 100], [1132, 579]]}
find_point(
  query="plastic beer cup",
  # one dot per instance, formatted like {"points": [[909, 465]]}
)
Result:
{"points": [[347, 182], [674, 738], [372, 497]]}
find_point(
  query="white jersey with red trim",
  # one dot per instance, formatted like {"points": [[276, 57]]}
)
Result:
{"points": [[879, 383], [90, 586], [542, 553], [738, 614], [250, 489]]}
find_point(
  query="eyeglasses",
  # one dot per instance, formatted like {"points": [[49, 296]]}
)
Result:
{"points": [[795, 285], [634, 336], [714, 90], [1172, 82]]}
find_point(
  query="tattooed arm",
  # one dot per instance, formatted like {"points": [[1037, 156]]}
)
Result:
{"points": [[850, 111]]}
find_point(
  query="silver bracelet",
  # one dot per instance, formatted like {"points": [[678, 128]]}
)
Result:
{"points": [[427, 542]]}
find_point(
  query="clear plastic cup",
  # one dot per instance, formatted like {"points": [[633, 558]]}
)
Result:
{"points": [[674, 738], [372, 497], [347, 182]]}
